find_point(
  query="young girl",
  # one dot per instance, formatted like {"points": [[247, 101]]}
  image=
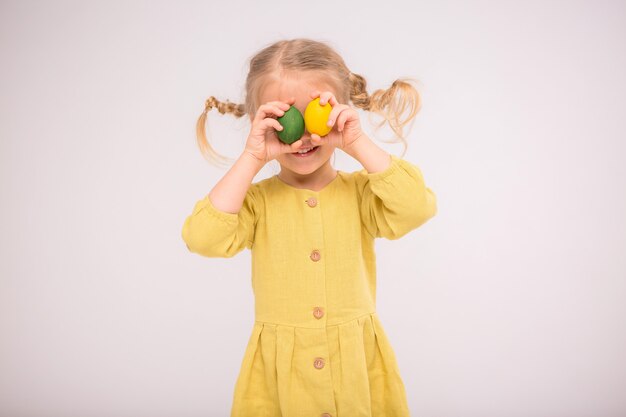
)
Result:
{"points": [[317, 347]]}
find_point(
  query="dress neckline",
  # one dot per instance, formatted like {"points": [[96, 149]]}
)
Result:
{"points": [[330, 184]]}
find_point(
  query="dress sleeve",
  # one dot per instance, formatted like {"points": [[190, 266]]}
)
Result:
{"points": [[211, 232], [395, 201]]}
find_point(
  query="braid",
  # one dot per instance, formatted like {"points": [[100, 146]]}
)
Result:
{"points": [[237, 110], [358, 92]]}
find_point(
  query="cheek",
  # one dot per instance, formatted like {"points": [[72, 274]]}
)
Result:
{"points": [[285, 159], [282, 158], [326, 150]]}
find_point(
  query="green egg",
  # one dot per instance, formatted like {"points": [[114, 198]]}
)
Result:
{"points": [[293, 126]]}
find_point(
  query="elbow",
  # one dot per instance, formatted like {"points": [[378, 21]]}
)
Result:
{"points": [[205, 243], [428, 206], [190, 237], [409, 222], [210, 249], [422, 215], [423, 208], [194, 241]]}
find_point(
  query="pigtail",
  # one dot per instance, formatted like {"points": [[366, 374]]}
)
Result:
{"points": [[391, 103], [205, 147]]}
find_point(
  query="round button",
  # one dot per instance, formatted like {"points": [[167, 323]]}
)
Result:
{"points": [[318, 312], [315, 255], [326, 415], [318, 363], [312, 202]]}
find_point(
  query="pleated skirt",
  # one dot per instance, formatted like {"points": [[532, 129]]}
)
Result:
{"points": [[343, 370]]}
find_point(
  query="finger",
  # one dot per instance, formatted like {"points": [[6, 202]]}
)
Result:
{"points": [[328, 97], [270, 122], [283, 147], [334, 117], [283, 105], [334, 113], [273, 108], [315, 93], [316, 140], [324, 97], [343, 118], [266, 110], [295, 146], [266, 114]]}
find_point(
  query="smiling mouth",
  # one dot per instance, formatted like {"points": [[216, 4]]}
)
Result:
{"points": [[306, 151]]}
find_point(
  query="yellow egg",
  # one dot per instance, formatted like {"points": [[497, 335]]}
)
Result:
{"points": [[316, 117]]}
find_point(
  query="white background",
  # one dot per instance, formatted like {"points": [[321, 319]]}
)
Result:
{"points": [[510, 302]]}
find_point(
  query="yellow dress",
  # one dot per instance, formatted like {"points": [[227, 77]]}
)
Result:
{"points": [[317, 347]]}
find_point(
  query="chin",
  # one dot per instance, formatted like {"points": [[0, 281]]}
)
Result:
{"points": [[303, 169]]}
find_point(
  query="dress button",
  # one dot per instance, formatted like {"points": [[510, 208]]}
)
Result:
{"points": [[318, 363], [315, 255], [318, 312], [312, 202], [326, 415]]}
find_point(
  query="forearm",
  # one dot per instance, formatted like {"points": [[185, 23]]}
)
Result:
{"points": [[371, 156], [230, 191]]}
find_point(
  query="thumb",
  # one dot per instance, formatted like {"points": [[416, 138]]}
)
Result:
{"points": [[294, 146]]}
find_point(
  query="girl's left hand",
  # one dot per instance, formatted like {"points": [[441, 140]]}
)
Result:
{"points": [[344, 117]]}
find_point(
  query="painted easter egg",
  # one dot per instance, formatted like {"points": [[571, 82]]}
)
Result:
{"points": [[293, 126], [316, 117]]}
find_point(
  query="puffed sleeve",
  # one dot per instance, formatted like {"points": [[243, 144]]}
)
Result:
{"points": [[395, 201], [211, 232]]}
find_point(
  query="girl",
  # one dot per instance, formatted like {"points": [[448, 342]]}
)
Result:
{"points": [[317, 347]]}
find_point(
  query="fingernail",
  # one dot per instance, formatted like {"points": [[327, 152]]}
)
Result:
{"points": [[330, 123]]}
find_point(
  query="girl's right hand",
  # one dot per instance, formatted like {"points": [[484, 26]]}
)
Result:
{"points": [[263, 142]]}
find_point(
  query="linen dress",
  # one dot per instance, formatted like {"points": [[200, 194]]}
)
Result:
{"points": [[317, 347]]}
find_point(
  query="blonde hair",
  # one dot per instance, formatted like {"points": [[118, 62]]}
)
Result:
{"points": [[302, 54]]}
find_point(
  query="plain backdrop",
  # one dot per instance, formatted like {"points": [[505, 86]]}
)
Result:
{"points": [[510, 302]]}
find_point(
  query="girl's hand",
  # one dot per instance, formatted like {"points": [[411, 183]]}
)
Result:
{"points": [[263, 143], [343, 117]]}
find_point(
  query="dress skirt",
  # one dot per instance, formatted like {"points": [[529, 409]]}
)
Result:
{"points": [[343, 370]]}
